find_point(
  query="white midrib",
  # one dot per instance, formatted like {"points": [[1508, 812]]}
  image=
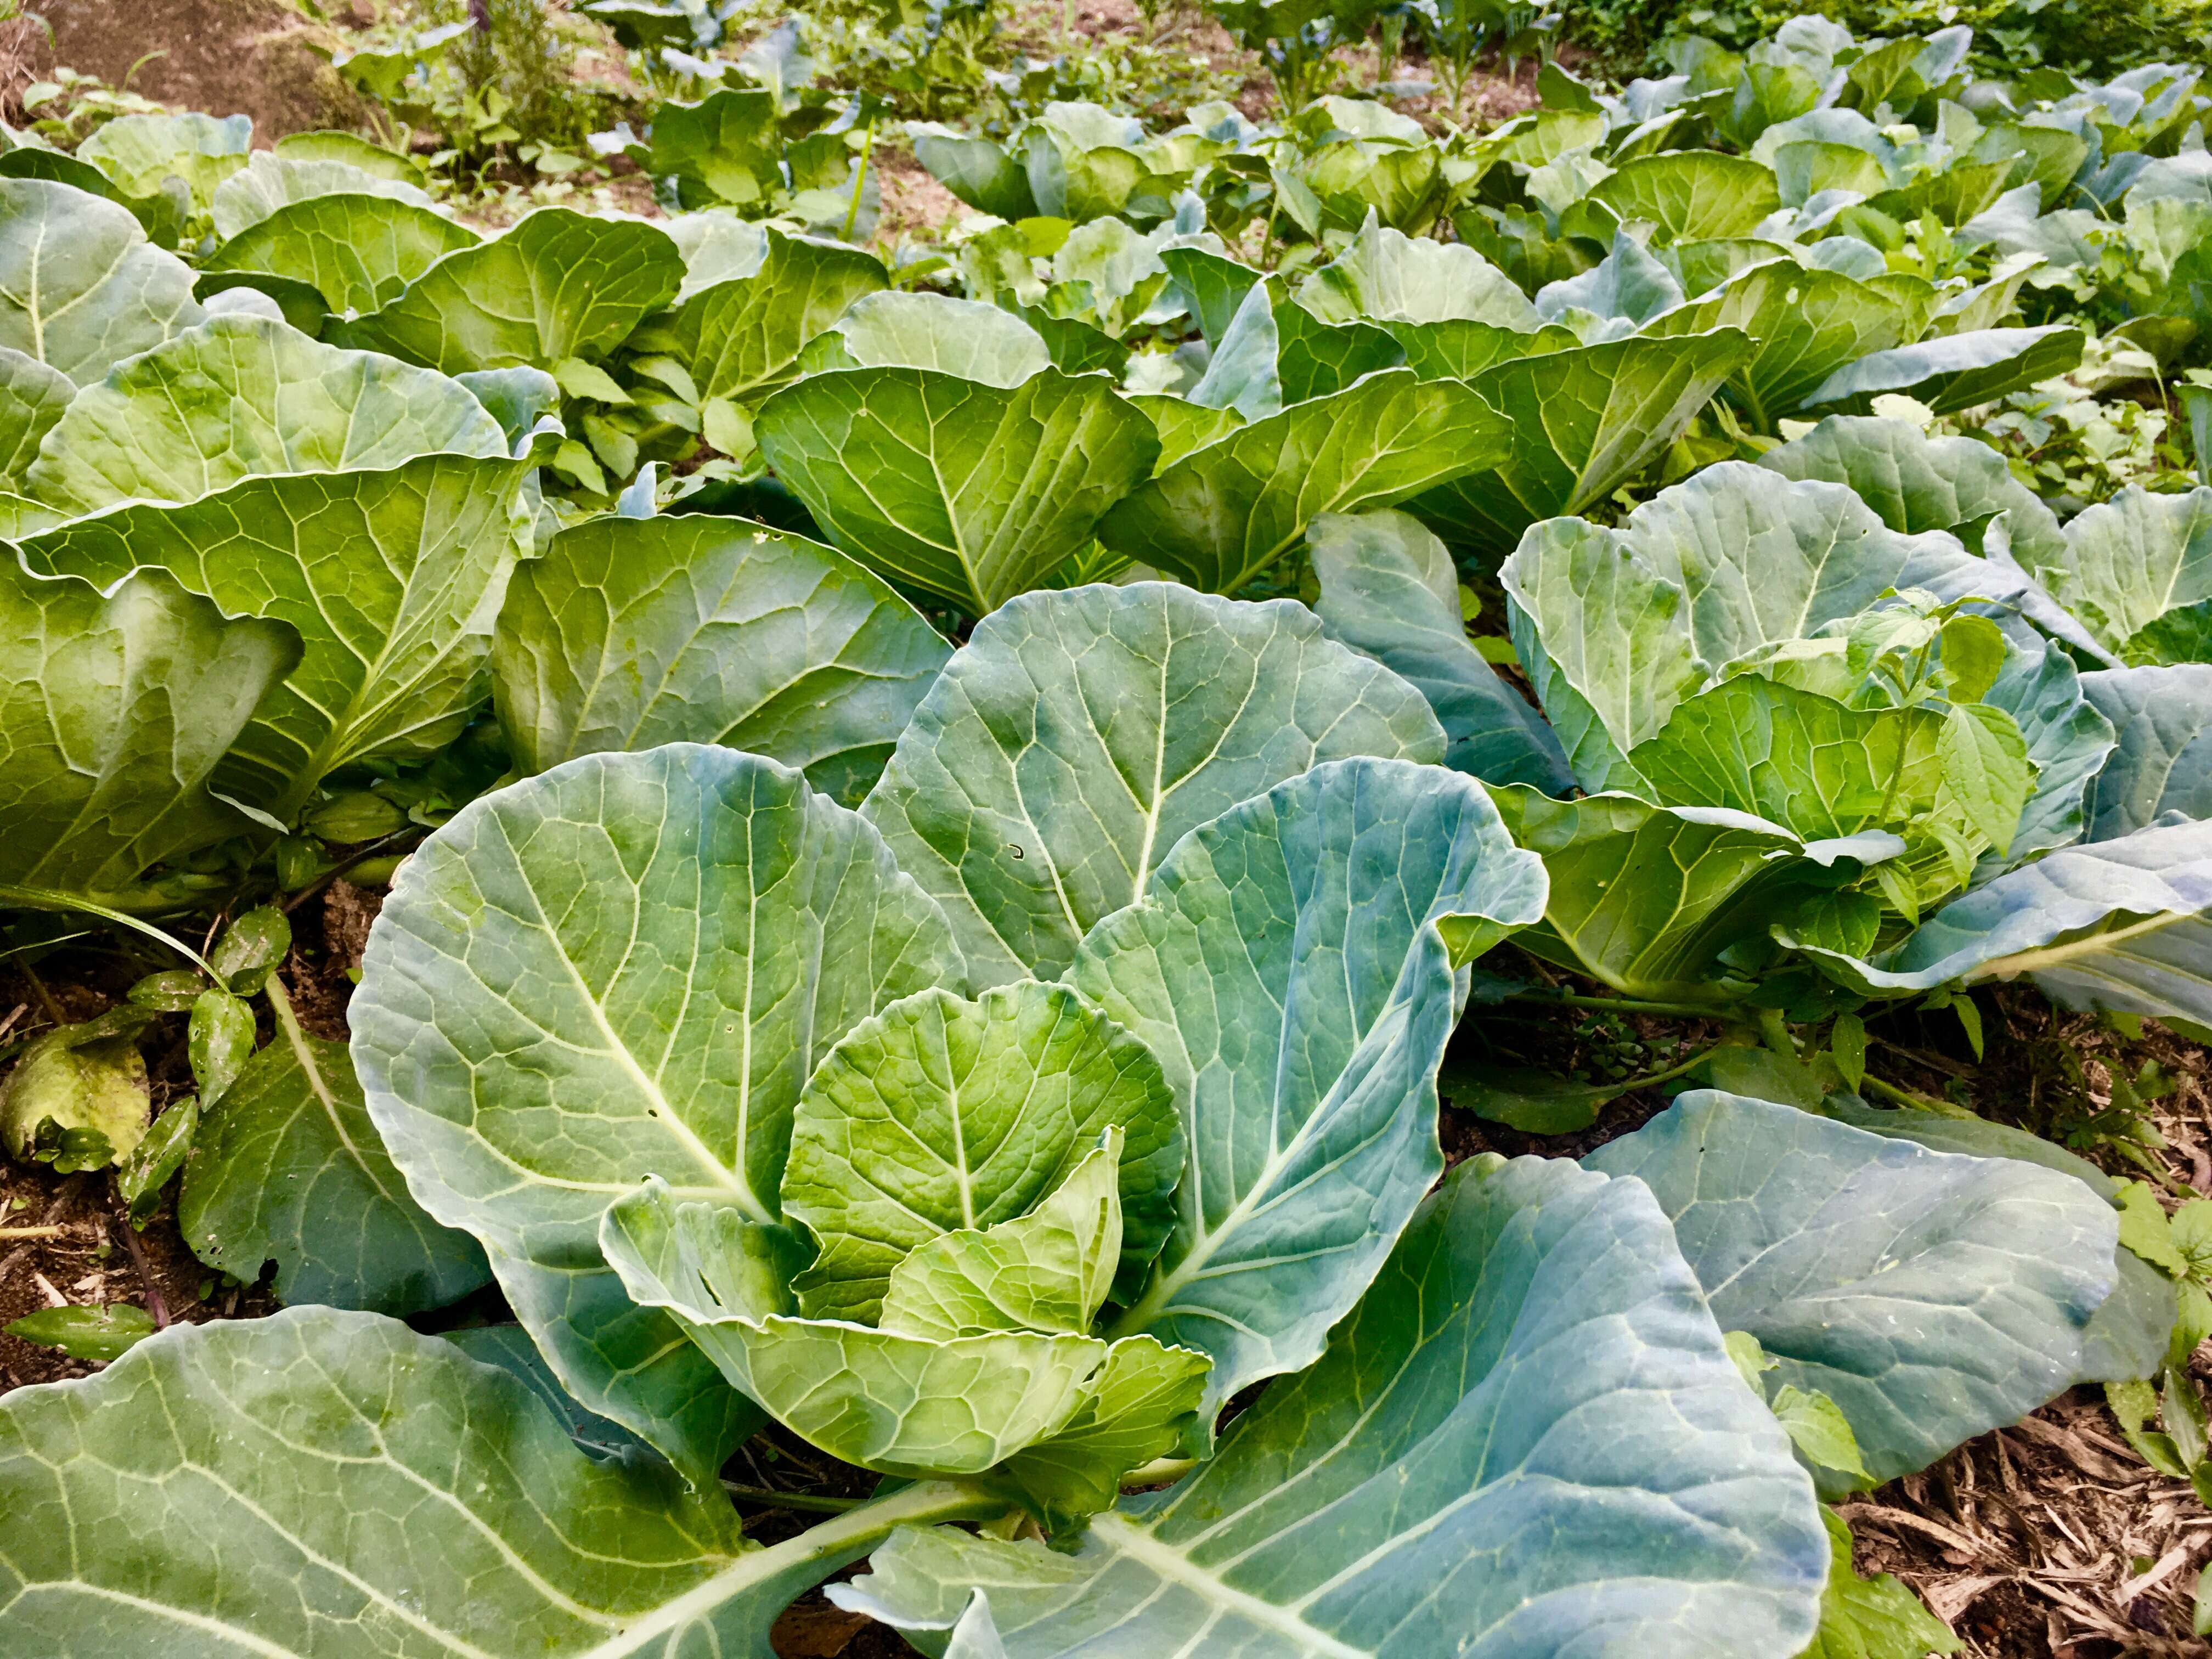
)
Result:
{"points": [[2058, 955], [658, 1107], [1161, 1292], [919, 1504], [1171, 1565], [1159, 777], [280, 1005]]}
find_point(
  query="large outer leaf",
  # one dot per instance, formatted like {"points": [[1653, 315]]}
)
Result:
{"points": [[115, 707], [1582, 423], [2162, 718], [1389, 589], [268, 182], [139, 151], [1646, 897], [1931, 1296], [965, 337], [392, 580], [1079, 735], [81, 287], [288, 1167], [740, 338], [971, 490], [241, 395], [1616, 627], [1528, 1442], [939, 1115], [333, 1484], [1385, 275], [1956, 371], [1915, 482], [2127, 1336], [2129, 561], [628, 632], [2069, 742], [357, 252], [559, 284], [1692, 195], [626, 966], [1807, 324], [2124, 924], [1225, 512], [1290, 963], [33, 397]]}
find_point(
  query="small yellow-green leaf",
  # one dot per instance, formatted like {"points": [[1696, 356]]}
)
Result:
{"points": [[1847, 1042], [726, 427], [2145, 1229], [581, 379], [1820, 1430], [97, 1334], [251, 948], [220, 1042], [1973, 656]]}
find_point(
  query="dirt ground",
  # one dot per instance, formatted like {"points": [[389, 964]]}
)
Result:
{"points": [[223, 56]]}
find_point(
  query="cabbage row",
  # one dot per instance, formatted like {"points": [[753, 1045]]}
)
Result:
{"points": [[923, 943]]}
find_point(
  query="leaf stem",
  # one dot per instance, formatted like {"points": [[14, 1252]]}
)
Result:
{"points": [[1669, 1074], [156, 1303], [1619, 1004], [860, 175], [47, 898], [768, 1495], [799, 1564], [1918, 1102]]}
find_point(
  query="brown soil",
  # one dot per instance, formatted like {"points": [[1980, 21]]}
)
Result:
{"points": [[913, 202], [222, 56]]}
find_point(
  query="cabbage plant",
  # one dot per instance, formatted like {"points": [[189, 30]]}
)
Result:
{"points": [[992, 1137]]}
